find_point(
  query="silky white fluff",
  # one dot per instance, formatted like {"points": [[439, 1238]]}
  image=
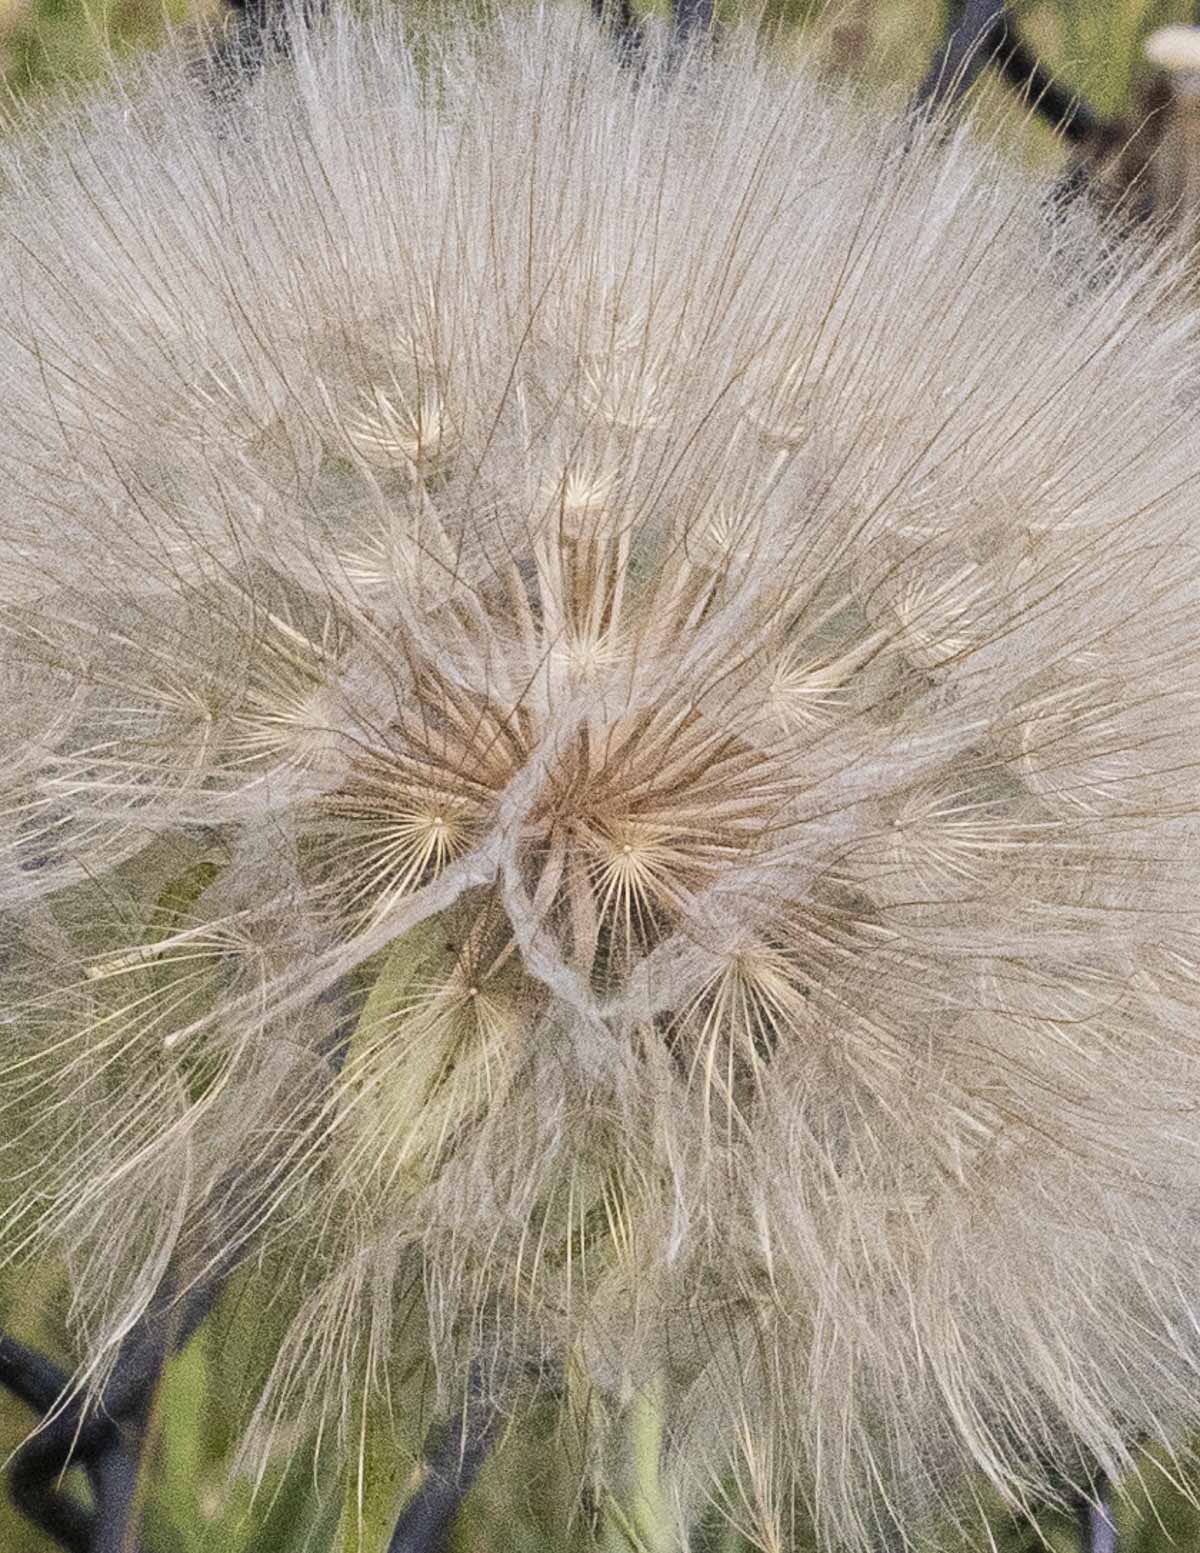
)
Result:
{"points": [[606, 707]]}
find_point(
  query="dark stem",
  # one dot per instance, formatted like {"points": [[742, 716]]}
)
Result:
{"points": [[117, 1498], [451, 1467], [119, 1489], [619, 17], [964, 51], [981, 33], [255, 32], [1064, 111], [106, 1439], [33, 1481], [1097, 1530], [29, 1375], [44, 1501], [690, 19]]}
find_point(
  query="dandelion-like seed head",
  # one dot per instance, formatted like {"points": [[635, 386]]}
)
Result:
{"points": [[623, 391], [395, 430], [580, 492], [659, 809]]}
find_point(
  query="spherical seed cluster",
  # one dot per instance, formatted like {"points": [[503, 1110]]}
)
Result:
{"points": [[606, 709]]}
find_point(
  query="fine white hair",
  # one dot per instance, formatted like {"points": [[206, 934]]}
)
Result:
{"points": [[601, 680]]}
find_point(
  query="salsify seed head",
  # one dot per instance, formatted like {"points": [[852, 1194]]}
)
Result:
{"points": [[603, 703]]}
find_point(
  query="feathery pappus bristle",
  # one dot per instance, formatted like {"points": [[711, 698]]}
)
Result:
{"points": [[603, 694]]}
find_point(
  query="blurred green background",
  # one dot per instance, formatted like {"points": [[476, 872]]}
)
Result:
{"points": [[1091, 45], [524, 1499]]}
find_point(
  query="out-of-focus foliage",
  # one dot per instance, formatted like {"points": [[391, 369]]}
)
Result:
{"points": [[526, 1500], [1091, 45], [48, 42]]}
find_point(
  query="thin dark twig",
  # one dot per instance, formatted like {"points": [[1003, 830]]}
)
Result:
{"points": [[33, 1483], [619, 17], [136, 1371], [1064, 111], [980, 33], [451, 1467], [44, 1501], [119, 1471], [29, 1375], [255, 32], [963, 53], [690, 19], [117, 1494], [1097, 1529], [105, 1440]]}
